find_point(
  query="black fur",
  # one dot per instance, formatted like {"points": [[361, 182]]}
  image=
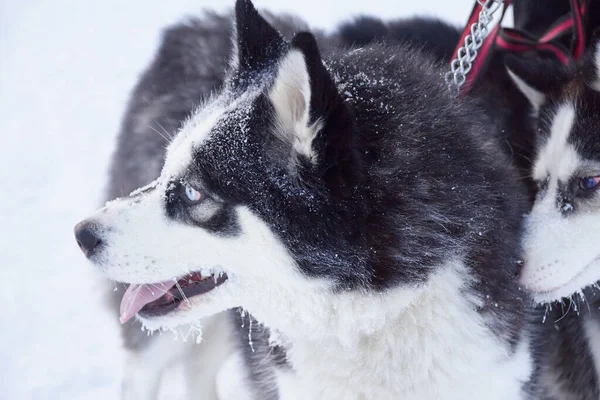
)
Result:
{"points": [[251, 34], [566, 369], [435, 37]]}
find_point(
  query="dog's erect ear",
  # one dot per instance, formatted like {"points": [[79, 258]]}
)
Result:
{"points": [[535, 77], [306, 102], [528, 78], [592, 61], [255, 42]]}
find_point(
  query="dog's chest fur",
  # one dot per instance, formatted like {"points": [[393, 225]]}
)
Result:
{"points": [[420, 353]]}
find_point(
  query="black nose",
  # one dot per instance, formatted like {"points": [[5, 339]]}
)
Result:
{"points": [[87, 238]]}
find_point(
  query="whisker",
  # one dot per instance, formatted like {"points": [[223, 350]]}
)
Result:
{"points": [[160, 134], [165, 131], [546, 311], [526, 158], [587, 303], [250, 335], [181, 291], [163, 289], [565, 313], [512, 152]]}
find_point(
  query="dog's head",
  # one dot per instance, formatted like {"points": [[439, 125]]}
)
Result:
{"points": [[253, 202], [561, 241]]}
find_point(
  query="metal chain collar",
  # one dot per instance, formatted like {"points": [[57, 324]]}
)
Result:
{"points": [[466, 54]]}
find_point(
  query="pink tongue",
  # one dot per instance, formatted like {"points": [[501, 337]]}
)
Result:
{"points": [[137, 296]]}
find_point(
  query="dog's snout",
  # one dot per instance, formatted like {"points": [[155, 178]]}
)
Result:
{"points": [[87, 237]]}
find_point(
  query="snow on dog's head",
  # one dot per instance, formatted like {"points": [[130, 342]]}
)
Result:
{"points": [[562, 236], [238, 213]]}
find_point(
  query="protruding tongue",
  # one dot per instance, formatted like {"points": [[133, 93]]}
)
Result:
{"points": [[137, 296]]}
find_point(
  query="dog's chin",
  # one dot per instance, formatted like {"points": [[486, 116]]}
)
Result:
{"points": [[580, 280]]}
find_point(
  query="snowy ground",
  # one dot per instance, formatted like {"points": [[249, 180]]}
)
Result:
{"points": [[66, 67]]}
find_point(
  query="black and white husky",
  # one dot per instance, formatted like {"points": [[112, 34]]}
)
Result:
{"points": [[561, 253], [352, 207], [189, 65]]}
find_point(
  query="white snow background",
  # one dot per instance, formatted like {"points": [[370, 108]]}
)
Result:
{"points": [[66, 69]]}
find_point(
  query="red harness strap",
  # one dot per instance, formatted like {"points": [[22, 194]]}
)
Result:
{"points": [[515, 41], [578, 13]]}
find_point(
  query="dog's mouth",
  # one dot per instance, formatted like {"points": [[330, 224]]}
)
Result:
{"points": [[556, 293], [155, 299]]}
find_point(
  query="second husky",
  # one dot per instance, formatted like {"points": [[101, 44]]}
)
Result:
{"points": [[562, 259]]}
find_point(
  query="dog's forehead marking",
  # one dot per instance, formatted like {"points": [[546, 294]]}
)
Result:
{"points": [[200, 128], [197, 130], [557, 157]]}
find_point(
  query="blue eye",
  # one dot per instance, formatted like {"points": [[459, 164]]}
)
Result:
{"points": [[192, 195], [589, 182]]}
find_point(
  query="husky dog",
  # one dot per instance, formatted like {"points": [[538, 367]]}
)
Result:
{"points": [[352, 206], [561, 255], [189, 65]]}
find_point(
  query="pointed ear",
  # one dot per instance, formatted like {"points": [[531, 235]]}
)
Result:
{"points": [[324, 96], [593, 61], [255, 42], [536, 77], [522, 73], [305, 99]]}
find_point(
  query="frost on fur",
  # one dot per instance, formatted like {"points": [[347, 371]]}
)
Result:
{"points": [[182, 333]]}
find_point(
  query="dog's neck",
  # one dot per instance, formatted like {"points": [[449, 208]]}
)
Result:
{"points": [[407, 342]]}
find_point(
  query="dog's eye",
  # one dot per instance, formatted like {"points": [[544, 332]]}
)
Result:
{"points": [[192, 195], [589, 182]]}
